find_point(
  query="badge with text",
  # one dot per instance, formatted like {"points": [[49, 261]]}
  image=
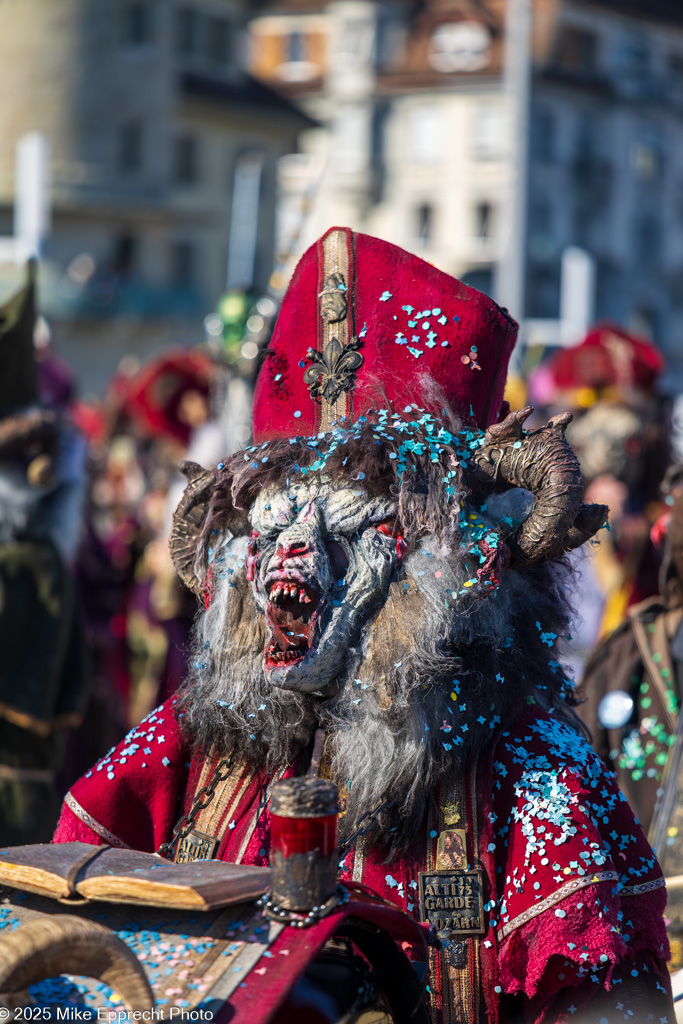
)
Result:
{"points": [[453, 901], [195, 846]]}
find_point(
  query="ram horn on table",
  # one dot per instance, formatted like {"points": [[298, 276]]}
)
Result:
{"points": [[64, 944]]}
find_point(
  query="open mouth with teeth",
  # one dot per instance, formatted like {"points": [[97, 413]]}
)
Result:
{"points": [[292, 614]]}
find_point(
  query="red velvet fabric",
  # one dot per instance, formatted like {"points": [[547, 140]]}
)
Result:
{"points": [[135, 792], [572, 888], [388, 288]]}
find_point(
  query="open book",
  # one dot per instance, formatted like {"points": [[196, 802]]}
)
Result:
{"points": [[64, 870]]}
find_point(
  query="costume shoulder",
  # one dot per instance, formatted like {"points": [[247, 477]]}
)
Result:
{"points": [[132, 797], [579, 886]]}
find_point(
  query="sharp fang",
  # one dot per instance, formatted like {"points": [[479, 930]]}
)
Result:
{"points": [[302, 597], [306, 599]]}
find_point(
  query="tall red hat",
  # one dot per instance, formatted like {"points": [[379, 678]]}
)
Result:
{"points": [[154, 397], [608, 356], [362, 324]]}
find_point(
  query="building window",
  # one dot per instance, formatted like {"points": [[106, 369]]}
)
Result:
{"points": [[124, 255], [483, 216], [295, 47], [185, 160], [424, 223], [647, 239], [544, 136], [391, 33], [488, 135], [183, 264], [541, 234], [137, 27], [543, 292], [635, 65], [218, 40], [354, 43], [245, 220], [675, 76], [460, 46], [187, 32], [587, 135], [129, 157], [647, 159], [425, 133], [578, 49]]}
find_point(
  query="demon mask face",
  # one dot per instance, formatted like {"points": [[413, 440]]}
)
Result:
{"points": [[320, 561]]}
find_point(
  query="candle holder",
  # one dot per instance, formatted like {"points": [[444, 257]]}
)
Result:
{"points": [[304, 846]]}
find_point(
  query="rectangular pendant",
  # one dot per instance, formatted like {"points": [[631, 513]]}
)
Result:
{"points": [[195, 846], [452, 901], [451, 850]]}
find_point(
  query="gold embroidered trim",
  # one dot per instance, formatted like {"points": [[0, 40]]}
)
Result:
{"points": [[460, 986], [635, 890], [358, 860], [93, 824], [566, 890], [336, 261], [255, 819]]}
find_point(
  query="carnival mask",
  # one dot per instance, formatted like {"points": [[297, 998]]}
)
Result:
{"points": [[320, 561]]}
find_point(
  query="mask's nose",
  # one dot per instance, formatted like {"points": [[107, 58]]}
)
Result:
{"points": [[304, 537]]}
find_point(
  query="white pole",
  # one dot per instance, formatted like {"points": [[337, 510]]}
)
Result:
{"points": [[31, 195], [577, 294], [510, 271], [244, 221]]}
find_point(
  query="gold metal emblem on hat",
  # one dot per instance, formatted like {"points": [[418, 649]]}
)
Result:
{"points": [[332, 371]]}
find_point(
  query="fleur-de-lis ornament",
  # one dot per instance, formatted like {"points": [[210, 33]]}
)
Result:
{"points": [[332, 370]]}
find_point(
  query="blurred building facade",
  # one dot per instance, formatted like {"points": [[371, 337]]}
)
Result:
{"points": [[163, 154], [416, 147]]}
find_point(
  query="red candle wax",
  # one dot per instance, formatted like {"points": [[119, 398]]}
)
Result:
{"points": [[301, 835]]}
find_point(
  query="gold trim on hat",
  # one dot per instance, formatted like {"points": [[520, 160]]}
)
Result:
{"points": [[330, 377]]}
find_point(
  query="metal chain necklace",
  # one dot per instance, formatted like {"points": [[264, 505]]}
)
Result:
{"points": [[361, 829], [186, 823]]}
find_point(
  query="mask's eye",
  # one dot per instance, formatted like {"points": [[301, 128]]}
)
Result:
{"points": [[338, 557], [390, 527]]}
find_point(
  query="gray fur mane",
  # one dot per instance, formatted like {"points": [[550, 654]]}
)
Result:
{"points": [[435, 675]]}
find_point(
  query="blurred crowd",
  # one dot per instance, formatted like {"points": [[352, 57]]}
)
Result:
{"points": [[94, 624]]}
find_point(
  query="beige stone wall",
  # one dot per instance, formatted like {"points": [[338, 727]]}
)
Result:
{"points": [[39, 55], [72, 76]]}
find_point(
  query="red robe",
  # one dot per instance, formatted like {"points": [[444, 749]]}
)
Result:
{"points": [[574, 894]]}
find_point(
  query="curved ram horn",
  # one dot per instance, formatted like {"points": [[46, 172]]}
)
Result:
{"points": [[187, 522], [64, 944], [544, 463]]}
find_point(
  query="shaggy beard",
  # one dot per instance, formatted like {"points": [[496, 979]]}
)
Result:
{"points": [[436, 674]]}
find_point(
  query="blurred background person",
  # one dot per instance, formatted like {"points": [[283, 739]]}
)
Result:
{"points": [[620, 433], [632, 691], [43, 671]]}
